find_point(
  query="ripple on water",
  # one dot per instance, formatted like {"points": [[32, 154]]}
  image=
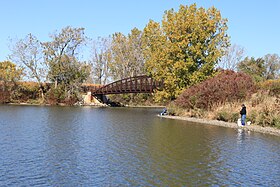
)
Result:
{"points": [[64, 146]]}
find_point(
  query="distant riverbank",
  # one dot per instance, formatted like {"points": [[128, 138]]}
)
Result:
{"points": [[255, 128], [91, 105]]}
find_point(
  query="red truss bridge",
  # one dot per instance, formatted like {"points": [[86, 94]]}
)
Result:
{"points": [[138, 84]]}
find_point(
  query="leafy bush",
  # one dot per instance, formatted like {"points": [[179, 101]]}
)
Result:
{"points": [[70, 101], [58, 95], [132, 99], [4, 96], [173, 109], [265, 112], [227, 86], [252, 116], [223, 116], [273, 86], [55, 96], [227, 116], [265, 118], [269, 115], [26, 91]]}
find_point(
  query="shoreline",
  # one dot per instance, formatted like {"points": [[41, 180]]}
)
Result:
{"points": [[253, 128], [82, 105], [143, 106], [91, 104]]}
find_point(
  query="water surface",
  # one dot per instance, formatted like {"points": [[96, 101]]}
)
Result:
{"points": [[83, 146]]}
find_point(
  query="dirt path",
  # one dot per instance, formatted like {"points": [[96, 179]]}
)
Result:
{"points": [[255, 128]]}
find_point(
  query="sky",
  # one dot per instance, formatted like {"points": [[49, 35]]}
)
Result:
{"points": [[253, 24]]}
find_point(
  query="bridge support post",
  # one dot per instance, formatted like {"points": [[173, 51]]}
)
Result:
{"points": [[87, 98]]}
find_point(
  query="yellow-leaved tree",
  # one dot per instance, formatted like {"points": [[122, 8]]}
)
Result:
{"points": [[10, 74], [184, 49]]}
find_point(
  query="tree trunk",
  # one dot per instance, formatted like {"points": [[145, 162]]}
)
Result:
{"points": [[41, 90], [55, 84]]}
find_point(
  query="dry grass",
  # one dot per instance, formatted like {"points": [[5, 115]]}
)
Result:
{"points": [[265, 110], [262, 109]]}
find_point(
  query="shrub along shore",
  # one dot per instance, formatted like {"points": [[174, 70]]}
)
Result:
{"points": [[220, 98]]}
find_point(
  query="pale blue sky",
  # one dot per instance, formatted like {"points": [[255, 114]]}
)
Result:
{"points": [[253, 24]]}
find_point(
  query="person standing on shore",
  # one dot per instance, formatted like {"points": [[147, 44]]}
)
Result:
{"points": [[164, 112], [243, 114]]}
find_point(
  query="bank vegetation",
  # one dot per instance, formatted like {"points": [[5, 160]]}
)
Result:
{"points": [[220, 98], [204, 74]]}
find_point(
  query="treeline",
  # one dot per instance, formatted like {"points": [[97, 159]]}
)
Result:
{"points": [[182, 50], [238, 79]]}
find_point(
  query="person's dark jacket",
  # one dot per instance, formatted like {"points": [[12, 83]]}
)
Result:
{"points": [[243, 111]]}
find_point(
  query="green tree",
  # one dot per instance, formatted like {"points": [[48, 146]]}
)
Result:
{"points": [[27, 52], [253, 67], [184, 49], [61, 54]]}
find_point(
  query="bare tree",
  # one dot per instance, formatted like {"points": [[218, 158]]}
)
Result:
{"points": [[100, 60], [27, 53], [136, 52], [119, 66], [127, 55], [232, 57], [272, 66]]}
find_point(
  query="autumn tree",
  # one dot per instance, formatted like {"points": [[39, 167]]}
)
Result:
{"points": [[28, 53], [127, 55], [253, 67], [184, 49], [272, 66], [101, 57], [61, 54], [136, 52], [10, 74]]}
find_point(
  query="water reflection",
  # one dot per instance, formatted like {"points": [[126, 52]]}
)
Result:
{"points": [[63, 146], [241, 135]]}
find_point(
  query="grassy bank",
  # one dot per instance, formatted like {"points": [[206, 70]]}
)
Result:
{"points": [[262, 110], [253, 128], [220, 98]]}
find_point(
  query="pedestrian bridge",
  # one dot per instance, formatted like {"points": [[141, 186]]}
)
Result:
{"points": [[138, 84]]}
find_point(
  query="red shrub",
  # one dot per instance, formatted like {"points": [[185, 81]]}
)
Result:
{"points": [[227, 86], [4, 96]]}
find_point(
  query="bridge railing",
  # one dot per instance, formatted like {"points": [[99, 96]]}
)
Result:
{"points": [[91, 87], [138, 84]]}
